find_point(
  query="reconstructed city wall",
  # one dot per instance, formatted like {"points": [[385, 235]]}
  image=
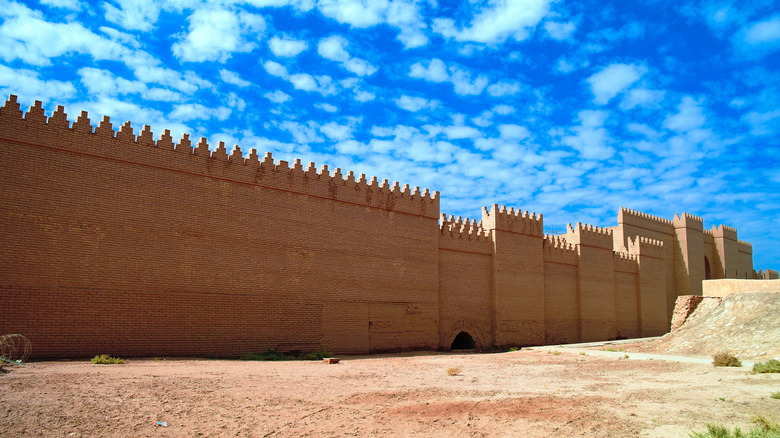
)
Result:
{"points": [[125, 244]]}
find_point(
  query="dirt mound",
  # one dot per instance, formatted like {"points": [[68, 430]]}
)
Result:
{"points": [[744, 324]]}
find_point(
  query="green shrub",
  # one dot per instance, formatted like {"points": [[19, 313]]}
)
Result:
{"points": [[765, 428], [776, 395], [770, 366], [724, 359], [272, 355], [269, 355], [316, 355], [104, 359]]}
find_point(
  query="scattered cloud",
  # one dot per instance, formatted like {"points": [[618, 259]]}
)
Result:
{"points": [[689, 116], [334, 48], [415, 104], [494, 24], [214, 34], [286, 47], [277, 96], [613, 80], [233, 78]]}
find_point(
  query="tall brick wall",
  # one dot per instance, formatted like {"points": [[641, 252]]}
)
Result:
{"points": [[118, 243], [143, 250]]}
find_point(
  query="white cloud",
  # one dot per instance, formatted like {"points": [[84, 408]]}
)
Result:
{"points": [[364, 96], [277, 96], [187, 82], [503, 109], [464, 84], [415, 104], [613, 80], [513, 132], [28, 85], [26, 36], [763, 123], [762, 32], [458, 132], [642, 97], [334, 48], [303, 134], [303, 81], [435, 71], [560, 31], [133, 14], [337, 132], [275, 69], [350, 147], [497, 22], [196, 111], [233, 78], [73, 5], [591, 139], [690, 116], [505, 88], [286, 47], [216, 33], [758, 39], [327, 107]]}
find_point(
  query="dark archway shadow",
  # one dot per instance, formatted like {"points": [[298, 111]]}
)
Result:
{"points": [[463, 341], [707, 269]]}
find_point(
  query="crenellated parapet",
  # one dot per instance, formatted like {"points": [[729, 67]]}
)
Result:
{"points": [[724, 232], [645, 221], [645, 247], [688, 221], [516, 221], [558, 250], [624, 262], [744, 247], [56, 132], [589, 235], [464, 235]]}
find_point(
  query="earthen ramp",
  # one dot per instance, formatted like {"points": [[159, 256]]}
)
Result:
{"points": [[746, 324]]}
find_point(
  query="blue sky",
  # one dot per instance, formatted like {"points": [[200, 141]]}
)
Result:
{"points": [[569, 109]]}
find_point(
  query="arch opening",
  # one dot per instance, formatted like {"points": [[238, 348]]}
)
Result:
{"points": [[463, 341], [707, 269]]}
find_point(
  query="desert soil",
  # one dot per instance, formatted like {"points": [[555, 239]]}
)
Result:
{"points": [[537, 392]]}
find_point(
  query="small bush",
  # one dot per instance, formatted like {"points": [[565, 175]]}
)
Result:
{"points": [[269, 355], [317, 355], [776, 395], [514, 348], [770, 366], [454, 371], [724, 359], [104, 359], [272, 355], [765, 428]]}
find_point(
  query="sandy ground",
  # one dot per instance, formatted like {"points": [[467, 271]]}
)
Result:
{"points": [[535, 392]]}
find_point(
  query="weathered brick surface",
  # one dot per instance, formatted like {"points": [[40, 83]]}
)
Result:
{"points": [[113, 243]]}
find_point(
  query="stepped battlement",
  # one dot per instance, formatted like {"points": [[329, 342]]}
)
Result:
{"points": [[725, 232], [558, 250], [646, 221], [624, 261], [34, 129], [468, 229], [516, 221], [590, 235], [689, 221], [643, 246], [745, 247]]}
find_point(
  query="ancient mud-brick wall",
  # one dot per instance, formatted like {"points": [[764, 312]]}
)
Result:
{"points": [[123, 244]]}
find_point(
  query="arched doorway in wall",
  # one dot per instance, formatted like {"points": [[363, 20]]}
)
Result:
{"points": [[463, 341], [707, 269]]}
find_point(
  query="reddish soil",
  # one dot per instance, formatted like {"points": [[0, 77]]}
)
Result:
{"points": [[529, 393]]}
